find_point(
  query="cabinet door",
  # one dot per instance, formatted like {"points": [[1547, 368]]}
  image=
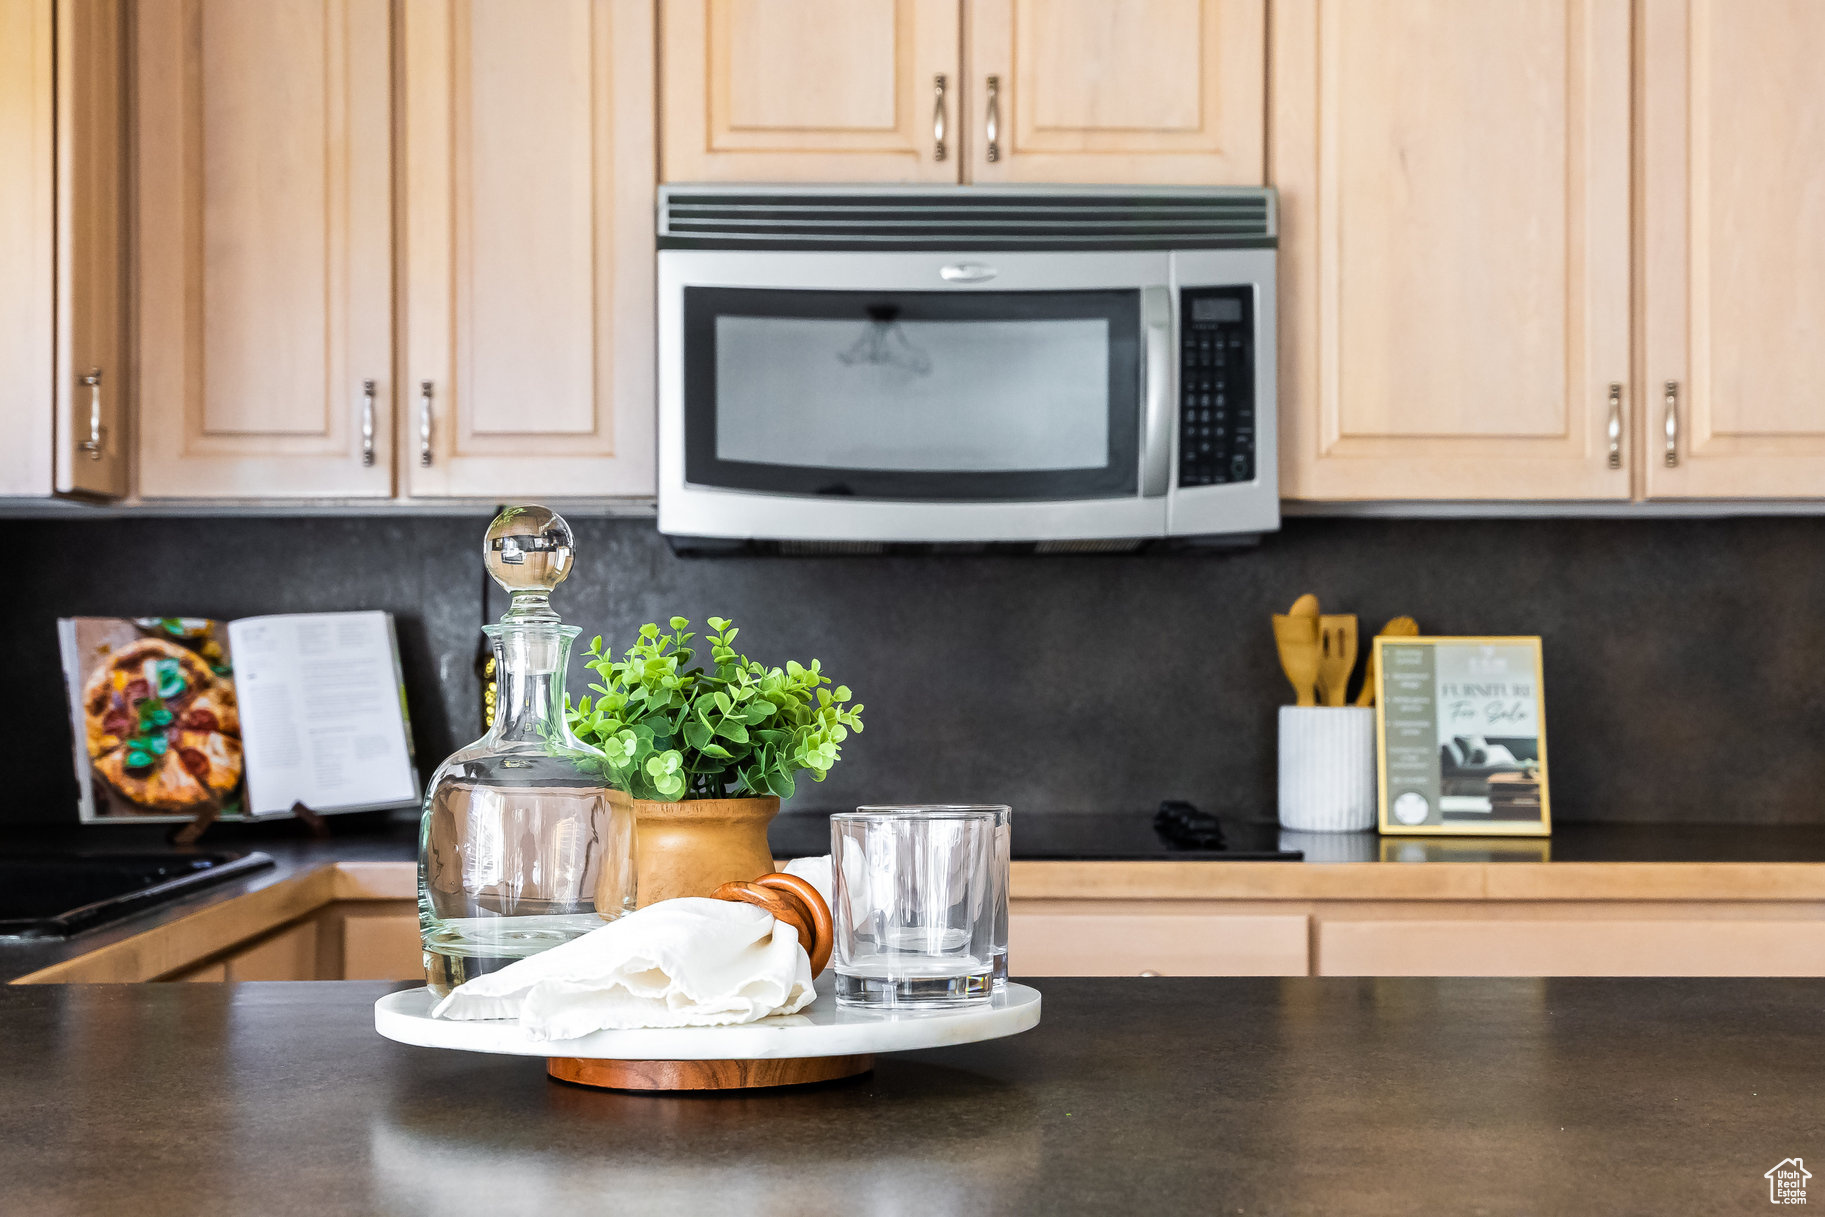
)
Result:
{"points": [[289, 954], [1454, 280], [1733, 268], [27, 245], [1526, 947], [529, 248], [1146, 91], [810, 90], [91, 377], [382, 947], [1094, 942], [263, 293]]}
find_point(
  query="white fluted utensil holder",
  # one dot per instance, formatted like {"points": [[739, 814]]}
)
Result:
{"points": [[1327, 768], [1362, 846]]}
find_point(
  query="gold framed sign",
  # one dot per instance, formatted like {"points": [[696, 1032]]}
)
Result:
{"points": [[1460, 734]]}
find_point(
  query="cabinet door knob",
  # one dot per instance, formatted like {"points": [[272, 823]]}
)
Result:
{"points": [[97, 433], [991, 123], [938, 117], [424, 423], [1615, 424], [1672, 424], [367, 422]]}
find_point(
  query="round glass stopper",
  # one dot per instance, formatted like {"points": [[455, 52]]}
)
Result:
{"points": [[528, 551]]}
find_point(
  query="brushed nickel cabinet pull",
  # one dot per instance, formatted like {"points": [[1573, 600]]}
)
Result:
{"points": [[1615, 424], [424, 423], [992, 123], [97, 433], [938, 117], [367, 422], [1672, 424]]}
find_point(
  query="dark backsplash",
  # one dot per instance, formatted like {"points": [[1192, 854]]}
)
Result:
{"points": [[1685, 659]]}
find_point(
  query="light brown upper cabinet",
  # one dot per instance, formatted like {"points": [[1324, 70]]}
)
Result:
{"points": [[27, 245], [1455, 248], [62, 378], [528, 234], [1733, 248], [263, 239], [1144, 91], [809, 90]]}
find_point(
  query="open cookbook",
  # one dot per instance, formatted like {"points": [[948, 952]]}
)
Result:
{"points": [[176, 716]]}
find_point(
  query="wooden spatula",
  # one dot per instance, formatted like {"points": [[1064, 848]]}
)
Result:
{"points": [[1336, 655], [1297, 640], [1400, 627]]}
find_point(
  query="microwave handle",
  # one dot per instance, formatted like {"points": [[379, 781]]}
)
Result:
{"points": [[1156, 390]]}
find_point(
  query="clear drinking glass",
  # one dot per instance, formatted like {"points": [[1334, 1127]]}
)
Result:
{"points": [[1004, 842], [916, 905]]}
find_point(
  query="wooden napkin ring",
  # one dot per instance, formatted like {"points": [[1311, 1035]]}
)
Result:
{"points": [[794, 901]]}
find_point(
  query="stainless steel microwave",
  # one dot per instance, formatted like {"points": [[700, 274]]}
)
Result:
{"points": [[1063, 367]]}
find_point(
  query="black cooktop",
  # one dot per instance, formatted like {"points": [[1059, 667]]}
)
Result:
{"points": [[1176, 831], [56, 895]]}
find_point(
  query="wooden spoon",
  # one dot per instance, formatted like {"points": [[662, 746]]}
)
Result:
{"points": [[1337, 655], [1400, 627], [1296, 638]]}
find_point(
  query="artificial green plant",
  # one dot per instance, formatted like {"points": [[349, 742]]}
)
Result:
{"points": [[670, 731]]}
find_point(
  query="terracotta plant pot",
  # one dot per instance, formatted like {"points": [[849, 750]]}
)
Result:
{"points": [[693, 848]]}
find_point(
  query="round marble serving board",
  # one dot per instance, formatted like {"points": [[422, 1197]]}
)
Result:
{"points": [[822, 1029]]}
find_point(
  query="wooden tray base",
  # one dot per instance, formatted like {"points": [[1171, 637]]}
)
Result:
{"points": [[705, 1075]]}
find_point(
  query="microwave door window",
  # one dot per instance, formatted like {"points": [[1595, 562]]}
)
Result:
{"points": [[883, 344], [916, 396], [913, 395]]}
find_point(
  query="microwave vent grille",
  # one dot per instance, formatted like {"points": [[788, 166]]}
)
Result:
{"points": [[698, 217], [830, 549], [1093, 545]]}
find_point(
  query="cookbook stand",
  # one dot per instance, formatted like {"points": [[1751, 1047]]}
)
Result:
{"points": [[193, 832]]}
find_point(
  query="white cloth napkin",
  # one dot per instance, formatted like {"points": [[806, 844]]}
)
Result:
{"points": [[689, 962], [816, 872]]}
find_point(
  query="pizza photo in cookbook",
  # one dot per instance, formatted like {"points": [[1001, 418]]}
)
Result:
{"points": [[155, 715], [162, 732]]}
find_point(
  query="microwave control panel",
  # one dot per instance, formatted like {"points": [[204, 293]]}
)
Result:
{"points": [[1216, 385]]}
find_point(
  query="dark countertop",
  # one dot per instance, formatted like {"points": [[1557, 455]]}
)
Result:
{"points": [[1150, 1096], [1037, 836], [1048, 836], [1129, 836]]}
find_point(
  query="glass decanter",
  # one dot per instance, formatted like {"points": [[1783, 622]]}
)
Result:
{"points": [[520, 849]]}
